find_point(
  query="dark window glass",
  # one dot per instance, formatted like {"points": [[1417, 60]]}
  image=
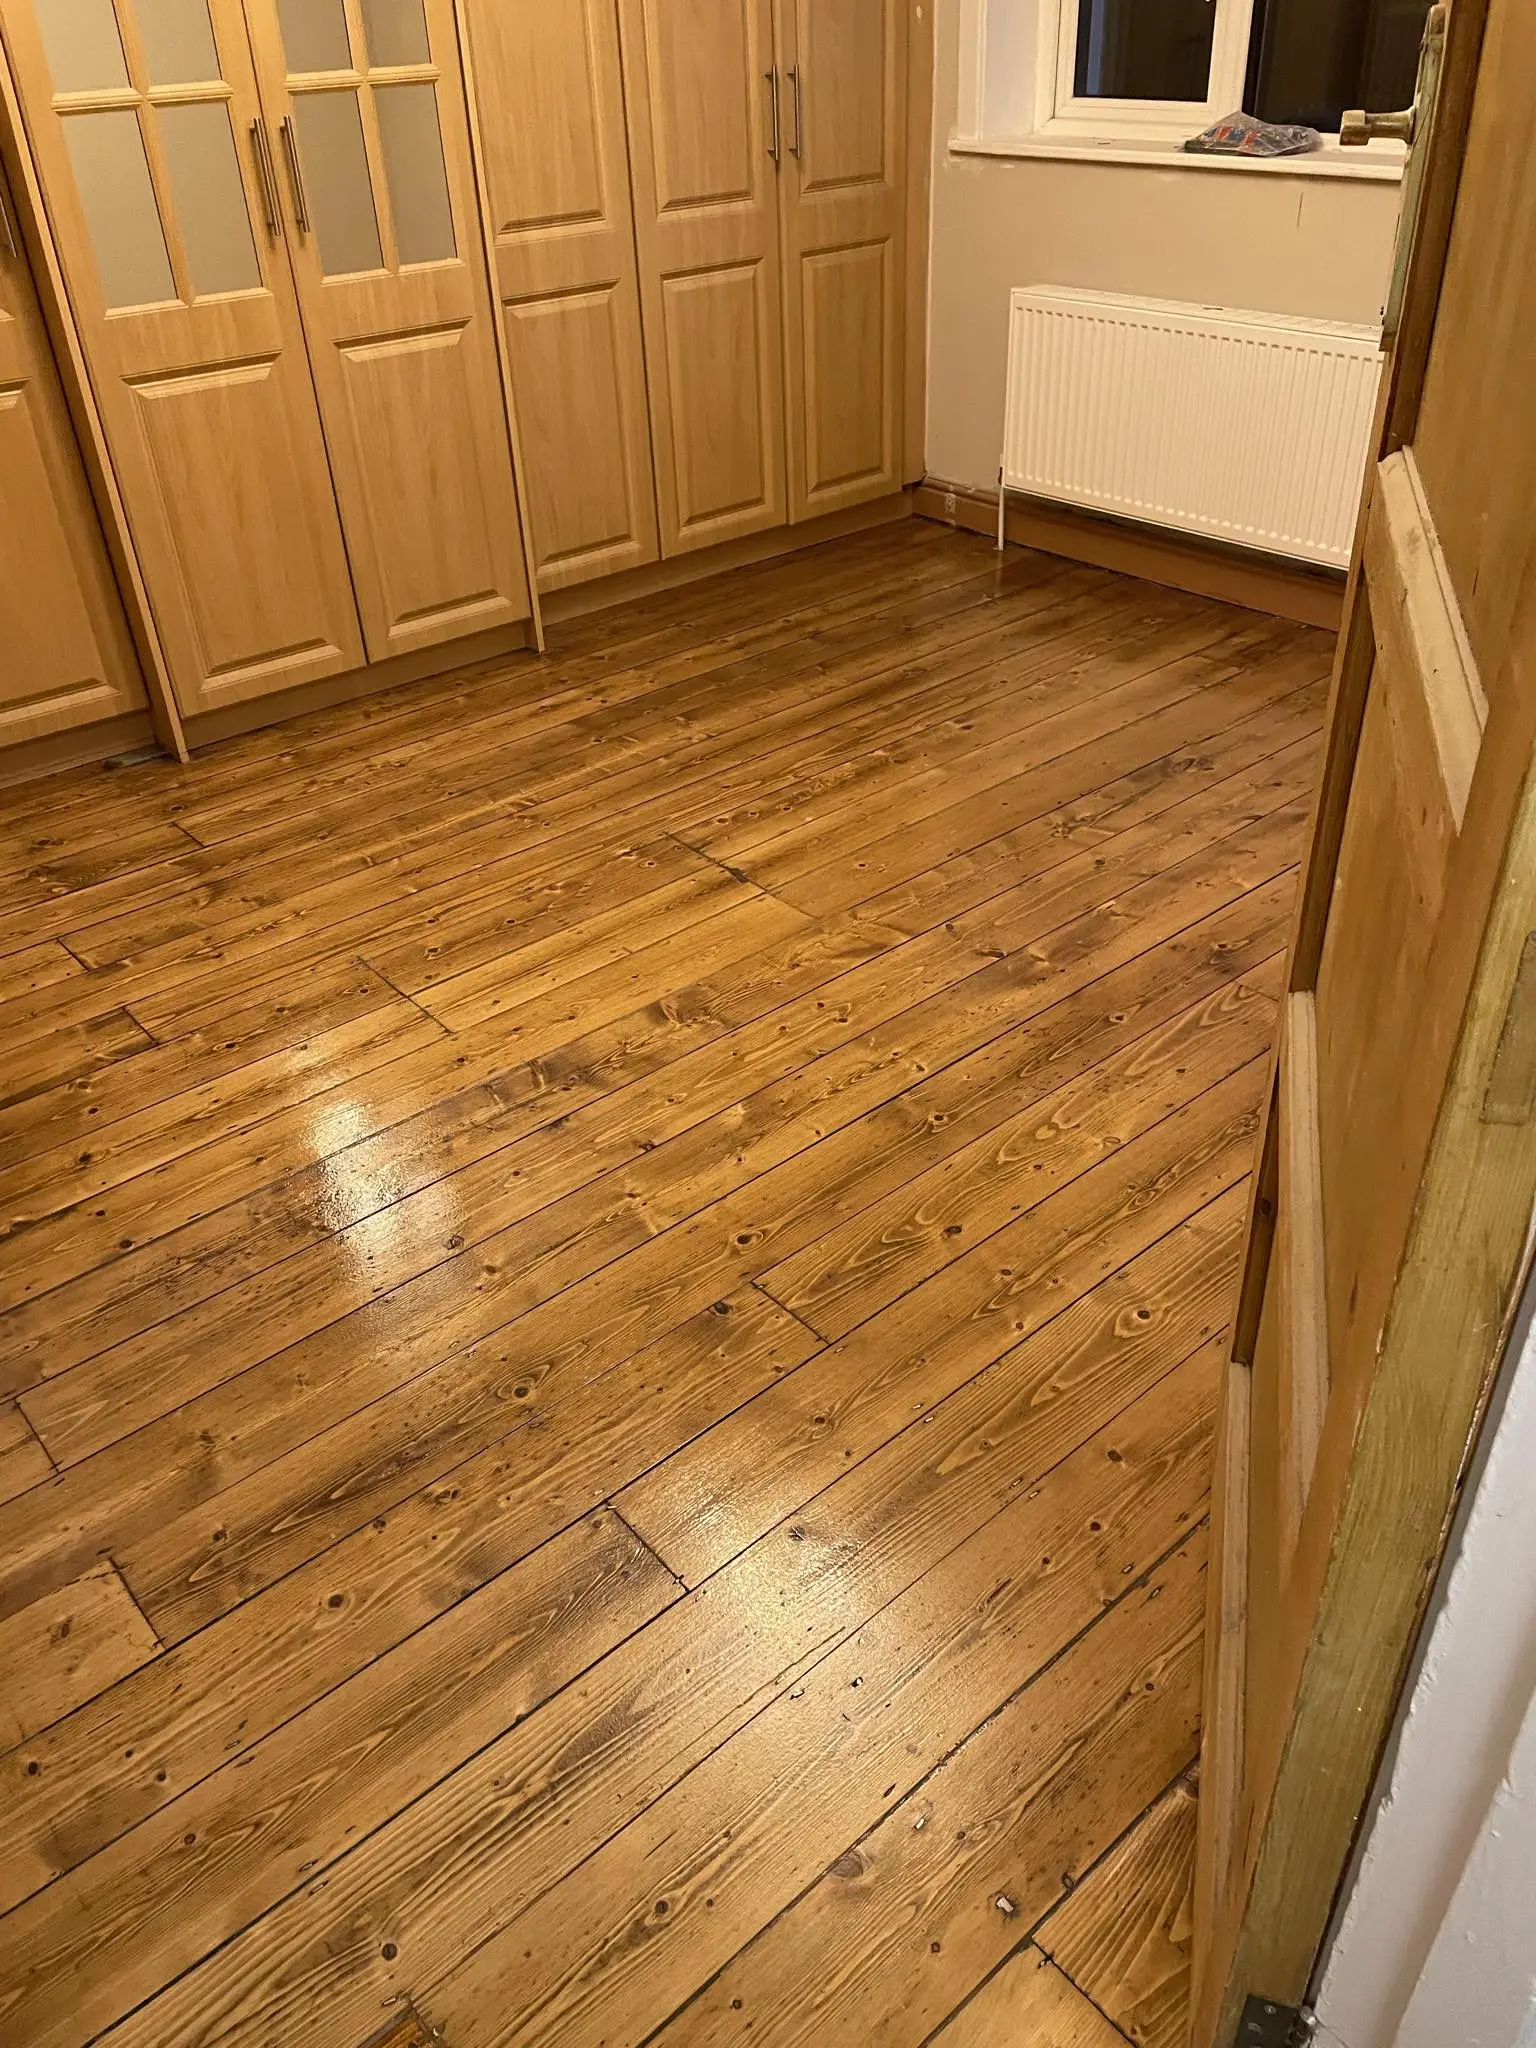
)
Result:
{"points": [[1310, 59], [1144, 49]]}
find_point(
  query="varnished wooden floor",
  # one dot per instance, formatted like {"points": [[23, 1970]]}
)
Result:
{"points": [[614, 1274]]}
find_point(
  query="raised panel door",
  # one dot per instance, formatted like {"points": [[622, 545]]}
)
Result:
{"points": [[68, 658], [844, 66], [367, 99], [705, 124], [551, 98], [144, 122]]}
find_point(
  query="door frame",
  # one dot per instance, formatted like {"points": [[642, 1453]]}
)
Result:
{"points": [[1447, 1330]]}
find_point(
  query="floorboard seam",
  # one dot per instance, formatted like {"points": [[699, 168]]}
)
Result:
{"points": [[650, 1549]]}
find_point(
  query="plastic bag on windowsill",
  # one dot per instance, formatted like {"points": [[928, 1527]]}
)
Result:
{"points": [[1242, 135]]}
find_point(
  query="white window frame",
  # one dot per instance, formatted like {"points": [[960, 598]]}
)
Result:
{"points": [[1060, 112]]}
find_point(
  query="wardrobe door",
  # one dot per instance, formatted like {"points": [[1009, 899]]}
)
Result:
{"points": [[368, 100], [141, 115], [844, 66], [700, 100], [68, 659], [556, 157]]}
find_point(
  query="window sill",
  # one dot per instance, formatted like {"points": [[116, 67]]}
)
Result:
{"points": [[1377, 162]]}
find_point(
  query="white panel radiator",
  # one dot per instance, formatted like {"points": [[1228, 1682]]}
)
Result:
{"points": [[1243, 427]]}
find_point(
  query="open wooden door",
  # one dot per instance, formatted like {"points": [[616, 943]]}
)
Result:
{"points": [[1394, 1199]]}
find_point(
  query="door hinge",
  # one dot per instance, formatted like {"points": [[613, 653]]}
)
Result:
{"points": [[1265, 2024]]}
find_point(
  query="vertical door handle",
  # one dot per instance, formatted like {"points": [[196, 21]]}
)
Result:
{"points": [[295, 174], [8, 228], [266, 171], [796, 148], [773, 95]]}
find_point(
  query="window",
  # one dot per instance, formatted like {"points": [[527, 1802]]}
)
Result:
{"points": [[1310, 59], [1159, 70]]}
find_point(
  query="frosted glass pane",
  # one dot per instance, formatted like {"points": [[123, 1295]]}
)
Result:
{"points": [[413, 164], [397, 31], [85, 51], [106, 153], [330, 131], [178, 42], [209, 198], [315, 35]]}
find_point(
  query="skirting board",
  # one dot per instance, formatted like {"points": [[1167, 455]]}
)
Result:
{"points": [[76, 747], [1315, 597], [632, 584]]}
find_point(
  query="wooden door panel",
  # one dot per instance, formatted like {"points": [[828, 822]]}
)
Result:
{"points": [[57, 672], [428, 507], [701, 134], [245, 538], [576, 359], [179, 280], [702, 67], [389, 262], [844, 232], [846, 111], [847, 301], [717, 331], [542, 76], [68, 658], [551, 100], [1474, 450]]}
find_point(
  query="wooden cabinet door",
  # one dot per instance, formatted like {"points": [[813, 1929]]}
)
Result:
{"points": [[698, 80], [368, 102], [140, 114], [551, 99], [844, 69], [68, 658]]}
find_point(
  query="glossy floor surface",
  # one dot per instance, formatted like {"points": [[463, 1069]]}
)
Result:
{"points": [[614, 1273]]}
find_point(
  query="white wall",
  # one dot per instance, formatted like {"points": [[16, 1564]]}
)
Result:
{"points": [[1436, 1946], [1256, 239]]}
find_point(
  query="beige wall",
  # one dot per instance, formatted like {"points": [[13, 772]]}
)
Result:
{"points": [[1304, 245]]}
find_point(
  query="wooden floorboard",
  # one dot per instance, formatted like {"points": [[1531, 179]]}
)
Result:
{"points": [[613, 1271]]}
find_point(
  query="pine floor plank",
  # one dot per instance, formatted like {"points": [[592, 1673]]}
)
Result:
{"points": [[168, 1890], [150, 1740], [114, 1157], [906, 1921], [612, 1273], [441, 1897], [23, 1461], [66, 1649], [1029, 2004], [36, 967], [1125, 1936]]}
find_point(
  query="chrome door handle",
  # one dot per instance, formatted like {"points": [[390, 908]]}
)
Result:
{"points": [[295, 174], [773, 94], [796, 148], [266, 172]]}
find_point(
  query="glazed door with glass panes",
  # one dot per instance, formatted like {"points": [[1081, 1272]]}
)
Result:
{"points": [[144, 123], [842, 67], [366, 98], [68, 659]]}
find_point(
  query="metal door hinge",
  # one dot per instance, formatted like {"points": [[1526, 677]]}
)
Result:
{"points": [[1265, 2024]]}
